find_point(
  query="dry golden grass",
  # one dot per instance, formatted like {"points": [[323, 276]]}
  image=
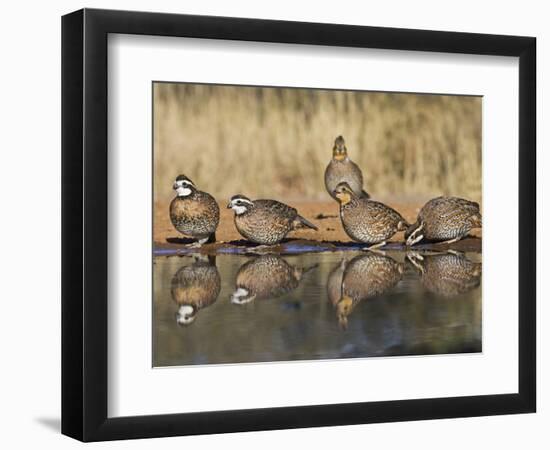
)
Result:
{"points": [[274, 142]]}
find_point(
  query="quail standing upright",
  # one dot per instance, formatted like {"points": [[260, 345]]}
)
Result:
{"points": [[445, 219], [194, 213], [342, 169], [265, 222], [366, 220]]}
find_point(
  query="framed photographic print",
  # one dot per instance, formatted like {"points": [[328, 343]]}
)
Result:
{"points": [[273, 224]]}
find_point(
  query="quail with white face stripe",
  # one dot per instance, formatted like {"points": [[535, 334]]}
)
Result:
{"points": [[265, 222], [194, 213]]}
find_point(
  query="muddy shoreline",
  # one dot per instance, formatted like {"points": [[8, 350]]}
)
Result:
{"points": [[330, 237]]}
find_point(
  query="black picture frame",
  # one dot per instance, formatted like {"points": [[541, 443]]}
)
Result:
{"points": [[84, 224]]}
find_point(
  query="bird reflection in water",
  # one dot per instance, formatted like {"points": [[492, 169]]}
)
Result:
{"points": [[266, 276], [365, 276], [334, 282], [194, 287], [446, 274]]}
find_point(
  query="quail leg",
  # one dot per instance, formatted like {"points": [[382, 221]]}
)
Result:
{"points": [[415, 259], [198, 243], [415, 255], [376, 248], [450, 241], [455, 252], [413, 240], [415, 236]]}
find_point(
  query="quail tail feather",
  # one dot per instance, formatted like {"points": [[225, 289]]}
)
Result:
{"points": [[476, 220], [301, 222]]}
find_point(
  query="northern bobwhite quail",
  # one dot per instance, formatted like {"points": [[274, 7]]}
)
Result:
{"points": [[266, 276], [194, 213], [366, 220], [445, 219], [194, 287], [448, 274], [342, 168], [265, 222]]}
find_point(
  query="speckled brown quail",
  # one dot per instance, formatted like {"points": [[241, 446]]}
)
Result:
{"points": [[366, 220], [366, 276], [194, 287], [194, 213], [266, 276], [446, 219], [448, 274], [342, 169], [265, 222]]}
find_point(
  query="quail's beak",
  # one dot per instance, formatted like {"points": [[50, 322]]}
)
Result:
{"points": [[175, 186], [340, 195], [229, 206], [339, 152]]}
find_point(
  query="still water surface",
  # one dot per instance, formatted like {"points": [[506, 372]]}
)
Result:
{"points": [[235, 309]]}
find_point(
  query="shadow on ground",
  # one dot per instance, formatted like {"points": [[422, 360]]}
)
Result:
{"points": [[52, 423]]}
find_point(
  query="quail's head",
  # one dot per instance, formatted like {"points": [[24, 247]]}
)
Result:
{"points": [[240, 204], [343, 192], [343, 310], [183, 186], [242, 296], [186, 315], [339, 151]]}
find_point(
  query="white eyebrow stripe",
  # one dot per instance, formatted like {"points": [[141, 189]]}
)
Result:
{"points": [[242, 200]]}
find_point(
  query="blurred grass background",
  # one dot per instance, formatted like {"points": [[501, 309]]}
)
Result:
{"points": [[276, 142]]}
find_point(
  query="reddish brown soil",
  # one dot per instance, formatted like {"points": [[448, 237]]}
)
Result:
{"points": [[330, 236]]}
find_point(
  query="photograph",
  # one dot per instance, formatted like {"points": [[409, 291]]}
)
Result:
{"points": [[275, 225], [295, 224]]}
